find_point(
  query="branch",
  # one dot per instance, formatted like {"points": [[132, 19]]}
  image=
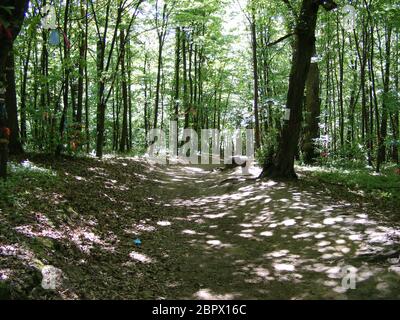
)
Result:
{"points": [[280, 39]]}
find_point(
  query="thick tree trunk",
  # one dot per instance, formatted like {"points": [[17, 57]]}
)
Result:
{"points": [[283, 164], [15, 18], [15, 146]]}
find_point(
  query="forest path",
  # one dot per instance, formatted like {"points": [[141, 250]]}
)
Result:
{"points": [[249, 239], [206, 234]]}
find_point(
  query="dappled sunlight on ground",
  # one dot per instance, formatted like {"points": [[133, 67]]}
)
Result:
{"points": [[272, 233], [140, 257], [205, 233], [207, 294]]}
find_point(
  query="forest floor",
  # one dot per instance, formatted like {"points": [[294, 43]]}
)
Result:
{"points": [[206, 234]]}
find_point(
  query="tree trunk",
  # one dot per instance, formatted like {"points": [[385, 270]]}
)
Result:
{"points": [[7, 77], [101, 108], [395, 117], [146, 104], [66, 83], [81, 69], [341, 44], [15, 145], [185, 85], [313, 110], [177, 82], [255, 79], [386, 89], [158, 83], [87, 82], [124, 134], [283, 164], [23, 92]]}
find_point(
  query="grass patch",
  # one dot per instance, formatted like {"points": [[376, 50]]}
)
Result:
{"points": [[21, 176], [364, 181]]}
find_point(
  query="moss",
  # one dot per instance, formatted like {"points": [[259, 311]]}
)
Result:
{"points": [[5, 290]]}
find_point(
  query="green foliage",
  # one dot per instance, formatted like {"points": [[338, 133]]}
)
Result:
{"points": [[392, 101], [269, 146], [384, 186], [217, 89]]}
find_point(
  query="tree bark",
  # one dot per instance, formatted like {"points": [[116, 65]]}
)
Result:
{"points": [[15, 18], [313, 110], [386, 89], [15, 145], [66, 83], [282, 166], [23, 92], [177, 82], [81, 78], [255, 79], [124, 134], [101, 108]]}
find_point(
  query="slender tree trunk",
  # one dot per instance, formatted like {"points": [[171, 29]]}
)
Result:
{"points": [[313, 110], [146, 104], [340, 44], [255, 79], [24, 93], [130, 137], [386, 88], [373, 100], [395, 116], [81, 78], [101, 108], [124, 134], [158, 82], [186, 106], [66, 82], [362, 55], [177, 82], [87, 81]]}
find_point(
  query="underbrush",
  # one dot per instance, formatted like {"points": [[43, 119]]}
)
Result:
{"points": [[362, 180], [21, 175]]}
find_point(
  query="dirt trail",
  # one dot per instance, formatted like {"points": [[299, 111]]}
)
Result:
{"points": [[206, 234], [268, 240]]}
